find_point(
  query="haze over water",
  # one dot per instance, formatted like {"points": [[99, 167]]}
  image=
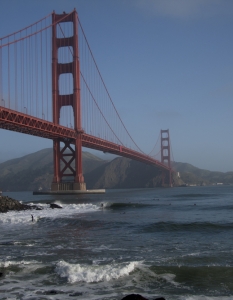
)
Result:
{"points": [[175, 243]]}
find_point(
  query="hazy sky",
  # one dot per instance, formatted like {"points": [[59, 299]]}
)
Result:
{"points": [[168, 64]]}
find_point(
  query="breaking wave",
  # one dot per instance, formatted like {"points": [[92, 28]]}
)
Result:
{"points": [[93, 273]]}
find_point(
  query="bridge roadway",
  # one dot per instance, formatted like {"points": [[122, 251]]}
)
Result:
{"points": [[20, 122]]}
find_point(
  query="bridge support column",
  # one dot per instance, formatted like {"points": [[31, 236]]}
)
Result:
{"points": [[79, 183], [67, 160], [56, 164]]}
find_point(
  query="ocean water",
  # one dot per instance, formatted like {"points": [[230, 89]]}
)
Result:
{"points": [[176, 243]]}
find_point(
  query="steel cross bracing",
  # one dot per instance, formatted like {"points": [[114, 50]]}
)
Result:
{"points": [[19, 122]]}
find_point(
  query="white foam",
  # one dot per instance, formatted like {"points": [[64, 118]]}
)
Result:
{"points": [[194, 254], [108, 248], [7, 263], [93, 273], [24, 217]]}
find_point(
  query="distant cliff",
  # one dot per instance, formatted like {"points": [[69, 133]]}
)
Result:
{"points": [[35, 171]]}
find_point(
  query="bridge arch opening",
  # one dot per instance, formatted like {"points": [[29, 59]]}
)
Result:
{"points": [[65, 55], [67, 116], [64, 30], [165, 143], [66, 84]]}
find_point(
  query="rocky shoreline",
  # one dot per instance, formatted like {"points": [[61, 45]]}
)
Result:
{"points": [[7, 204]]}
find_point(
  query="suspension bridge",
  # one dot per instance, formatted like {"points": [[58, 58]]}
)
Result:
{"points": [[51, 87]]}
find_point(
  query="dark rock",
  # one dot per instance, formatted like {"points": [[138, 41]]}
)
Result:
{"points": [[51, 292], [160, 298], [36, 207], [7, 203], [1, 274], [134, 297], [53, 205]]}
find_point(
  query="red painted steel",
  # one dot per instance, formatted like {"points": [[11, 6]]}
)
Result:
{"points": [[17, 121], [63, 100]]}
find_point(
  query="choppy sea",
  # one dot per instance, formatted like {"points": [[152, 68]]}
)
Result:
{"points": [[176, 243]]}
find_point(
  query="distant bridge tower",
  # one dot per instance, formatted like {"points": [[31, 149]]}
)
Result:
{"points": [[64, 157], [165, 156]]}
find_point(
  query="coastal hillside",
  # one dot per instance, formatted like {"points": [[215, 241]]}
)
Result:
{"points": [[35, 171], [124, 173], [195, 176]]}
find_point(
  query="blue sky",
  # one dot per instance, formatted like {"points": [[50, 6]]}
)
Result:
{"points": [[168, 64]]}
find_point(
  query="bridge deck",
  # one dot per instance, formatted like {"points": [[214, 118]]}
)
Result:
{"points": [[19, 122]]}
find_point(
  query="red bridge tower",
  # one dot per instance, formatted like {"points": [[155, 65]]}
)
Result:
{"points": [[66, 155], [165, 156]]}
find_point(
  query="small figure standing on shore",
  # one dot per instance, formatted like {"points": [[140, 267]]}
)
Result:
{"points": [[32, 218]]}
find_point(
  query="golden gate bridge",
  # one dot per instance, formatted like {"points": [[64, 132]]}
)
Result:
{"points": [[78, 111]]}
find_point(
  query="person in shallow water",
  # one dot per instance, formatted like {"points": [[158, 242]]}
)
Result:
{"points": [[32, 218]]}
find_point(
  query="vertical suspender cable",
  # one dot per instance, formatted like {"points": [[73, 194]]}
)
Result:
{"points": [[41, 66], [9, 74], [46, 71], [1, 92], [36, 72]]}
